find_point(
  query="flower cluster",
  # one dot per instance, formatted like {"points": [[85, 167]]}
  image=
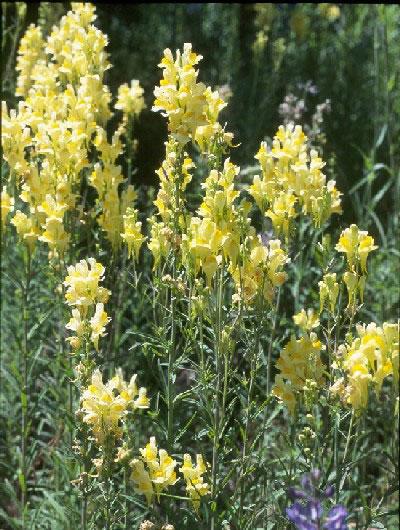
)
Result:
{"points": [[132, 234], [328, 292], [105, 405], [191, 108], [193, 475], [31, 50], [212, 138], [299, 364], [85, 294], [49, 139], [369, 359], [130, 99], [306, 320], [215, 234], [261, 271], [291, 180], [307, 512], [174, 175], [180, 97], [356, 245], [154, 471]]}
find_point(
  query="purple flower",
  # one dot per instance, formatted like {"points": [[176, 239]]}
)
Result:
{"points": [[307, 513], [336, 518]]}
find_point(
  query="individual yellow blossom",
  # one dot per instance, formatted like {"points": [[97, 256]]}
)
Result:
{"points": [[141, 478], [56, 237], [98, 324], [135, 397], [130, 99], [356, 244], [284, 392], [179, 96], [220, 195], [7, 205], [160, 240], [193, 475], [77, 325], [109, 151], [354, 285], [132, 234], [114, 208], [306, 320], [105, 178], [26, 229], [159, 473], [328, 291], [299, 362]]}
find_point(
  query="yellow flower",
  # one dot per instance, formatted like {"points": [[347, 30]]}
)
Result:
{"points": [[356, 244], [328, 291], [130, 99], [26, 229], [7, 205], [82, 284], [292, 179], [98, 324], [102, 409], [370, 358], [261, 272], [160, 472], [306, 320], [132, 234], [195, 485], [30, 51], [299, 362], [160, 240], [77, 325], [284, 392], [141, 478], [134, 397], [106, 405], [281, 211], [179, 96], [15, 137]]}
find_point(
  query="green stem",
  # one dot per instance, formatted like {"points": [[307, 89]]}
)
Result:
{"points": [[171, 360], [172, 348], [24, 391], [346, 449], [271, 341], [218, 414]]}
